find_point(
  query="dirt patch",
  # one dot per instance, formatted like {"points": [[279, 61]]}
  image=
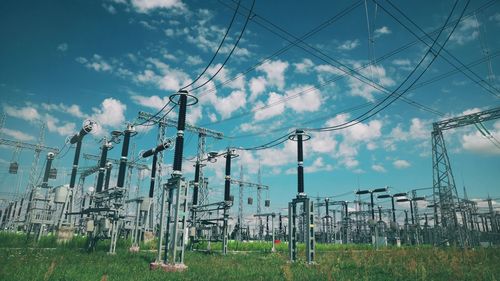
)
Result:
{"points": [[50, 270]]}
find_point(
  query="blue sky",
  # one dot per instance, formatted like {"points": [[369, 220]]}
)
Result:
{"points": [[66, 61]]}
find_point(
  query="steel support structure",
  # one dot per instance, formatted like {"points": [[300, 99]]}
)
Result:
{"points": [[445, 191]]}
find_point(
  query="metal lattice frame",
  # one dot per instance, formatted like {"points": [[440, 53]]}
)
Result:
{"points": [[445, 191]]}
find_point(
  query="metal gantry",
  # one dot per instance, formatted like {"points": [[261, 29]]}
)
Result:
{"points": [[445, 190]]}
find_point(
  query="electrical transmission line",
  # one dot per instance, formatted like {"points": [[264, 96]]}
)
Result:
{"points": [[370, 112]]}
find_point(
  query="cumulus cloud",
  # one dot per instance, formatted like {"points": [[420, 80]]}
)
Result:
{"points": [[96, 62], [154, 102], [18, 135], [401, 164], [477, 143], [28, 113], [54, 125], [266, 113], [111, 113], [227, 105], [165, 77], [257, 86], [145, 6], [367, 91], [384, 30], [304, 66], [467, 31], [275, 72], [63, 47], [73, 110], [194, 60], [378, 168], [348, 45], [304, 98]]}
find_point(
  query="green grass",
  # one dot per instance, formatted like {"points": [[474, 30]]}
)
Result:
{"points": [[334, 262]]}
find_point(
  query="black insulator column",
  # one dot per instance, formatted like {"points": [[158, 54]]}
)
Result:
{"points": [[393, 210], [281, 222], [379, 213], [14, 210], [346, 210], [83, 205], [326, 206], [123, 159], [411, 210], [102, 165], [227, 182], [406, 216], [196, 182], [154, 152], [153, 175], [77, 138], [50, 157], [109, 167], [300, 161], [20, 207], [74, 170], [179, 141], [372, 206]]}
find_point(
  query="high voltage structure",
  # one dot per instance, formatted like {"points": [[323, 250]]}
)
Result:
{"points": [[445, 190], [182, 217]]}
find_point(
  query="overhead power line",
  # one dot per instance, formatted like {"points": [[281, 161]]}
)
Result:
{"points": [[218, 48]]}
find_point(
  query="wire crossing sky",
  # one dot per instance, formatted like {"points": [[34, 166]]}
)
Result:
{"points": [[260, 69]]}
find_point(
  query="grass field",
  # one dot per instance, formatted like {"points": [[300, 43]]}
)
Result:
{"points": [[69, 262]]}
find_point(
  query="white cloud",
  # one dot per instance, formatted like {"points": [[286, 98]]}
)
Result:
{"points": [[18, 135], [73, 110], [225, 106], [348, 45], [467, 31], [419, 129], [304, 66], [53, 125], [257, 86], [495, 18], [378, 168], [401, 62], [110, 113], [96, 63], [27, 113], [223, 76], [318, 165], [401, 164], [272, 111], [193, 60], [304, 98], [63, 47], [367, 91], [170, 79], [145, 6], [384, 30], [476, 142], [110, 8], [154, 102], [275, 72]]}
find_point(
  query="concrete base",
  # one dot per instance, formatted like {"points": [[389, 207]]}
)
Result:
{"points": [[179, 267], [167, 267], [148, 236], [134, 249], [65, 234]]}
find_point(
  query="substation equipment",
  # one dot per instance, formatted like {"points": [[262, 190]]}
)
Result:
{"points": [[307, 211]]}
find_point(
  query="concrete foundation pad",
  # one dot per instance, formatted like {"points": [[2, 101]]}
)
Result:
{"points": [[155, 265], [134, 249], [179, 267], [167, 267]]}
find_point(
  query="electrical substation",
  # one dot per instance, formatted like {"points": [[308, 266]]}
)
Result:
{"points": [[145, 185]]}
